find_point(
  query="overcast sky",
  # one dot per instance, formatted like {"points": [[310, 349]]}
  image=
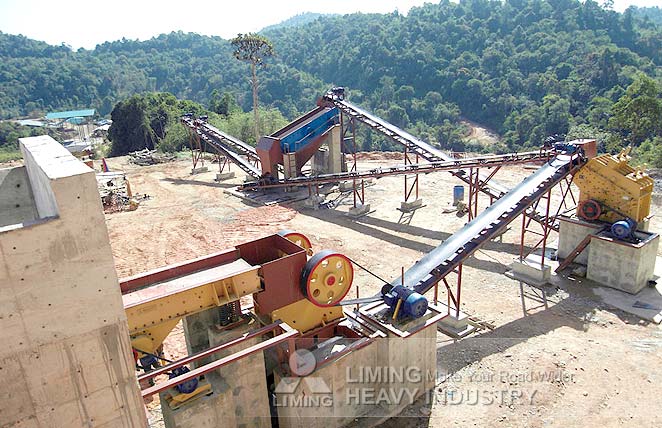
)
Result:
{"points": [[85, 23]]}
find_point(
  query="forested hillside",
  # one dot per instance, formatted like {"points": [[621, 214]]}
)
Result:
{"points": [[525, 68], [37, 76]]}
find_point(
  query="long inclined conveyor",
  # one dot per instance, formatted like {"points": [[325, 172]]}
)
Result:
{"points": [[424, 168], [234, 143], [435, 265], [230, 147], [414, 145]]}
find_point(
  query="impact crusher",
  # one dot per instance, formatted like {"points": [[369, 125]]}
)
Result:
{"points": [[611, 224]]}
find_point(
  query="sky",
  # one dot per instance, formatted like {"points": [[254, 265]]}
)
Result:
{"points": [[85, 23]]}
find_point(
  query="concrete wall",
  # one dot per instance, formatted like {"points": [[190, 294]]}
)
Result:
{"points": [[66, 358], [621, 265], [196, 328], [571, 233], [354, 391], [329, 385], [16, 202], [239, 397]]}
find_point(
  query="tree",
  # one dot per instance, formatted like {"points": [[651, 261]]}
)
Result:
{"points": [[254, 49], [223, 105], [638, 113], [151, 121], [131, 129]]}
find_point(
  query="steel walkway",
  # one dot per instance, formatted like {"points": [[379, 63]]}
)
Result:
{"points": [[446, 257], [227, 145]]}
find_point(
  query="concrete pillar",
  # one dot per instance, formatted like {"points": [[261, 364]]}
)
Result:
{"points": [[289, 165], [239, 396], [195, 332], [321, 161], [66, 358], [335, 151]]}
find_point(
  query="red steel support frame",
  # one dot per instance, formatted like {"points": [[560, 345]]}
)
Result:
{"points": [[565, 187], [346, 126], [546, 226], [288, 334], [475, 187], [414, 184], [453, 297], [222, 163], [196, 149]]}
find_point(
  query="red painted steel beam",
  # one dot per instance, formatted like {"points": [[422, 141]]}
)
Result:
{"points": [[170, 383], [140, 280], [210, 351]]}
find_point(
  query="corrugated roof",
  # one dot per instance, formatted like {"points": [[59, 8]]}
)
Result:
{"points": [[30, 122], [71, 113]]}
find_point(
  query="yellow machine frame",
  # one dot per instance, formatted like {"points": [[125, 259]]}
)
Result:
{"points": [[151, 320], [611, 181]]}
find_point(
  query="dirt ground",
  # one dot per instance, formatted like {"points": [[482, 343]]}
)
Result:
{"points": [[557, 357]]}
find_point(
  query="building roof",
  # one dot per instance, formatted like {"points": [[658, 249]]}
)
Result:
{"points": [[30, 122], [69, 114]]}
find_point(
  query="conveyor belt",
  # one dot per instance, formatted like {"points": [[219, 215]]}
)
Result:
{"points": [[423, 149], [450, 165], [228, 146], [439, 262], [236, 144]]}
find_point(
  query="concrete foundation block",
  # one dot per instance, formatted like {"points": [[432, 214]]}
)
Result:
{"points": [[455, 326], [225, 176], [411, 206], [345, 186], [530, 270], [621, 265], [572, 231], [359, 210], [200, 170], [313, 201]]}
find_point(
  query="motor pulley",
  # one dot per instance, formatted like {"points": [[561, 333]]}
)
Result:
{"points": [[185, 387], [624, 229]]}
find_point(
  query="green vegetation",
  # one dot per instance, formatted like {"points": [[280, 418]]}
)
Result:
{"points": [[524, 68], [253, 49], [10, 132], [152, 120]]}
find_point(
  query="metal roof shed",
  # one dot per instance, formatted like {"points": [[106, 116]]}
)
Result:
{"points": [[70, 114]]}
